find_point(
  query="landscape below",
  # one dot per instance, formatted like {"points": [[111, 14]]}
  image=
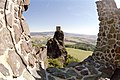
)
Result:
{"points": [[78, 46]]}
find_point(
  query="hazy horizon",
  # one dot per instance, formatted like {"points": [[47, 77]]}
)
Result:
{"points": [[64, 32]]}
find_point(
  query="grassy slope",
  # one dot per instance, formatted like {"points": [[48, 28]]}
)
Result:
{"points": [[79, 54]]}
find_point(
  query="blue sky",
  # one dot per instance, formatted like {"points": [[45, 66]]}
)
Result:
{"points": [[74, 16]]}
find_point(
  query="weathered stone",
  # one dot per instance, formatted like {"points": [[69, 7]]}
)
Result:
{"points": [[106, 71], [117, 49], [103, 34], [109, 56], [92, 70], [2, 48], [25, 27], [15, 21], [112, 30], [61, 75], [55, 46], [73, 64], [11, 7], [110, 21], [52, 70], [71, 73], [117, 57], [28, 76], [15, 63], [31, 60], [2, 79], [26, 47], [101, 18], [42, 73], [57, 73], [23, 54], [84, 72], [72, 79], [105, 27], [109, 36], [79, 77], [79, 68], [5, 41], [17, 33], [15, 8], [63, 69], [91, 77], [2, 3], [1, 12], [16, 15], [1, 25], [111, 41], [112, 51], [118, 42], [118, 36], [4, 70], [9, 19], [51, 78], [116, 75]]}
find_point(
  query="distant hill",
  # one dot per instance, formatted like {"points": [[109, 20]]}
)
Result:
{"points": [[70, 38]]}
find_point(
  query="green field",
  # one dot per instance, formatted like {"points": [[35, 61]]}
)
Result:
{"points": [[79, 54]]}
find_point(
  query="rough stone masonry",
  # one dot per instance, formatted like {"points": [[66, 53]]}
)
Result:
{"points": [[18, 60]]}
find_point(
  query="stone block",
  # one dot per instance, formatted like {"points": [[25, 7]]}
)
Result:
{"points": [[4, 70], [91, 77], [107, 71], [117, 57], [2, 79], [16, 15], [15, 63], [117, 49], [61, 75], [93, 70], [84, 72], [9, 19], [26, 47], [118, 43], [112, 30], [111, 42], [2, 3], [17, 33], [79, 68], [31, 60], [58, 73], [71, 73], [118, 36], [51, 78], [5, 41], [109, 36], [1, 25], [27, 76], [25, 27]]}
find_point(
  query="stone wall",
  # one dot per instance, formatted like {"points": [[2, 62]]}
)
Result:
{"points": [[17, 60], [108, 42]]}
